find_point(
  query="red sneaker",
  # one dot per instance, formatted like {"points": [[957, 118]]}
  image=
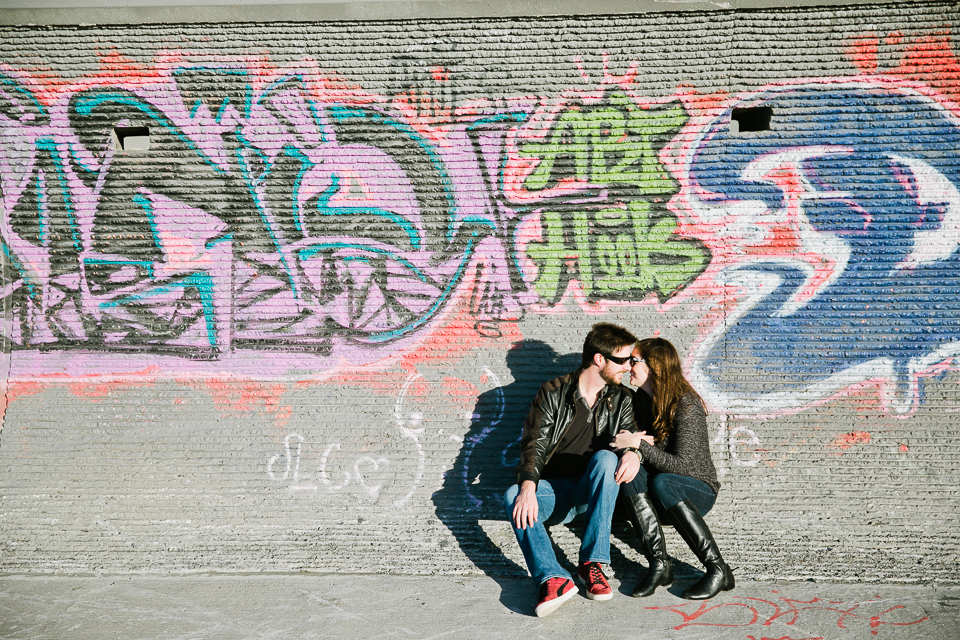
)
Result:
{"points": [[595, 581], [553, 593]]}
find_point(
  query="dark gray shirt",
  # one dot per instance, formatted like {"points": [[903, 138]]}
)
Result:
{"points": [[686, 451]]}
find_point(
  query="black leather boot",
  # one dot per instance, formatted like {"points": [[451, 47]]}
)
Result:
{"points": [[696, 534], [643, 517]]}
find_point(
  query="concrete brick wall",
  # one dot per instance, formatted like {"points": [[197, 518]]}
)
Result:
{"points": [[277, 296]]}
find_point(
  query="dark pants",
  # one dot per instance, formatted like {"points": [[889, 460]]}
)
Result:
{"points": [[667, 489]]}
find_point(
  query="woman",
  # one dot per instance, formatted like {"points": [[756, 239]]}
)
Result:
{"points": [[677, 475]]}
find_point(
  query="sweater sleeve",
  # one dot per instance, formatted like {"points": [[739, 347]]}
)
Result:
{"points": [[688, 453]]}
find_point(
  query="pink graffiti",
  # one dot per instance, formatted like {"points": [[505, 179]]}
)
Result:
{"points": [[382, 307], [845, 441], [193, 279], [875, 621], [925, 57], [690, 619]]}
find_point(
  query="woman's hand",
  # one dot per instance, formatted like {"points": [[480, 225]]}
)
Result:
{"points": [[626, 439]]}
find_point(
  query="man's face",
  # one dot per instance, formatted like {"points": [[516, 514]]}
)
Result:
{"points": [[610, 372]]}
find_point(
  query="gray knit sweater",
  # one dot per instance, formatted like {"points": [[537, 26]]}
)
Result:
{"points": [[686, 451]]}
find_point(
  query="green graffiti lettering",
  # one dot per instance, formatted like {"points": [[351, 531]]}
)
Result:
{"points": [[549, 256], [618, 255], [610, 139], [615, 144], [581, 235], [621, 253], [670, 260], [570, 137]]}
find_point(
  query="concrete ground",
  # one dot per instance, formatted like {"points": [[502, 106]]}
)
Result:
{"points": [[307, 606]]}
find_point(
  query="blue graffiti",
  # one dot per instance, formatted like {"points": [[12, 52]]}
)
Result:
{"points": [[883, 206]]}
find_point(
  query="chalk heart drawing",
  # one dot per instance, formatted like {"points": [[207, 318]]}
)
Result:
{"points": [[839, 236], [335, 471]]}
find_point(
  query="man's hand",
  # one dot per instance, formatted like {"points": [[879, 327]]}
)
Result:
{"points": [[525, 507], [627, 468]]}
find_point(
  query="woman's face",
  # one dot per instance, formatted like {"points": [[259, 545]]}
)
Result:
{"points": [[639, 372]]}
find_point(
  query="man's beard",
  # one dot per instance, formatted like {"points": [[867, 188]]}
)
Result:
{"points": [[610, 378]]}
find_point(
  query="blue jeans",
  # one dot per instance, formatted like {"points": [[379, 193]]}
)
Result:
{"points": [[667, 489], [559, 501]]}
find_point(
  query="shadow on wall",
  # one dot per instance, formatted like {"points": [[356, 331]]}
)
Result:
{"points": [[473, 489]]}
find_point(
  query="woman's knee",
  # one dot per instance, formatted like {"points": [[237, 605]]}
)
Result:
{"points": [[660, 482], [665, 490], [669, 489]]}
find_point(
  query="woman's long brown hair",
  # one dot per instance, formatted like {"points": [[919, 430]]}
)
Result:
{"points": [[667, 381]]}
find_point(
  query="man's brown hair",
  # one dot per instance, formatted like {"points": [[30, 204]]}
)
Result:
{"points": [[605, 338]]}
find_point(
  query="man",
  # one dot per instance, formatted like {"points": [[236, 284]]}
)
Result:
{"points": [[567, 468]]}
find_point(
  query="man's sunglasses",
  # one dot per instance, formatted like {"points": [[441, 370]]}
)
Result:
{"points": [[622, 359]]}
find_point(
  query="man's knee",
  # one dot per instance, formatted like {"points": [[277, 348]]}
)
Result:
{"points": [[605, 461], [603, 468]]}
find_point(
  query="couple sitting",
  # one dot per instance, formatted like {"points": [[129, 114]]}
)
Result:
{"points": [[588, 439]]}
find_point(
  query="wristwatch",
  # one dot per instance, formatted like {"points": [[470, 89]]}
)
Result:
{"points": [[636, 451]]}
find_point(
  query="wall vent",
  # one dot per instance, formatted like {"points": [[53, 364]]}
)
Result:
{"points": [[751, 119], [131, 139]]}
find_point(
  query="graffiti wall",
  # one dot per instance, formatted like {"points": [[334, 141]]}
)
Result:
{"points": [[274, 214], [267, 306]]}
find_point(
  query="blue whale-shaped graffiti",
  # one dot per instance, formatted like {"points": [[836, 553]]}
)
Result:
{"points": [[868, 176]]}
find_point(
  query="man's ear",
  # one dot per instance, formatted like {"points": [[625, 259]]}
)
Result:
{"points": [[598, 360]]}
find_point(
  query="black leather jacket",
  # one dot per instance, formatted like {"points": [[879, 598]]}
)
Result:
{"points": [[552, 412]]}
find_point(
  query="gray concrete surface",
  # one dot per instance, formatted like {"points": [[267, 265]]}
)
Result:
{"points": [[168, 453], [386, 606]]}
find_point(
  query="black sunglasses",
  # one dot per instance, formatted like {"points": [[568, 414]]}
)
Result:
{"points": [[617, 359]]}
